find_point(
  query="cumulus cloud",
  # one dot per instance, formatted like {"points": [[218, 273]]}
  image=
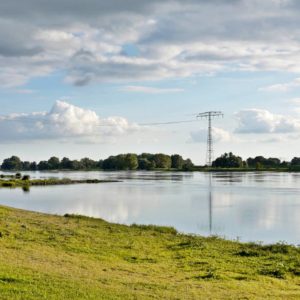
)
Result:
{"points": [[218, 134], [173, 38], [262, 121], [63, 122], [150, 90]]}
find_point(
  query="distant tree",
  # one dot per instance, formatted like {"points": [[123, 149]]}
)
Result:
{"points": [[54, 163], [284, 164], [12, 163], [110, 163], [33, 166], [131, 161], [258, 166], [148, 156], [145, 164], [162, 161], [272, 162], [252, 162], [26, 165], [228, 160], [177, 161], [65, 163], [87, 163], [100, 164], [75, 165], [187, 165], [263, 162], [295, 161], [43, 165]]}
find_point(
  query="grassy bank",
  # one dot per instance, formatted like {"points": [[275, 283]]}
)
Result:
{"points": [[73, 257], [13, 182]]}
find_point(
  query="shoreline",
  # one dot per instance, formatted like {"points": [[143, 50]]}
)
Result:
{"points": [[201, 170]]}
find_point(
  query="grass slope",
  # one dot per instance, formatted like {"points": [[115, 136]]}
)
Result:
{"points": [[74, 257]]}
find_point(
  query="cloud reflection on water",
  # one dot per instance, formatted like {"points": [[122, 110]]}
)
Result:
{"points": [[253, 206]]}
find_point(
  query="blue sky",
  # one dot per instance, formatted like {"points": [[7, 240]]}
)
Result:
{"points": [[78, 80]]}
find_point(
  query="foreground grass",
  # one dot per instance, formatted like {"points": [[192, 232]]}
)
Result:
{"points": [[74, 257]]}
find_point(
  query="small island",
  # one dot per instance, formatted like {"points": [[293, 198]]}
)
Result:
{"points": [[17, 180]]}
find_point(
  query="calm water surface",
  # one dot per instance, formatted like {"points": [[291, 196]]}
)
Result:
{"points": [[249, 206]]}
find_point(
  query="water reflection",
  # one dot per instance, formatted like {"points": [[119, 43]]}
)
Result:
{"points": [[210, 202], [26, 189], [253, 206]]}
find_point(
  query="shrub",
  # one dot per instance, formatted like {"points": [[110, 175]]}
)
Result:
{"points": [[26, 177]]}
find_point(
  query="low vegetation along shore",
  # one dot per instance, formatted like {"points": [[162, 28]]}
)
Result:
{"points": [[74, 257], [13, 181]]}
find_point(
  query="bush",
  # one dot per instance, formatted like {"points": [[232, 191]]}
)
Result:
{"points": [[26, 177], [8, 184]]}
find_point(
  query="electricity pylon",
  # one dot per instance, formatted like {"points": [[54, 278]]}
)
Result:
{"points": [[209, 115]]}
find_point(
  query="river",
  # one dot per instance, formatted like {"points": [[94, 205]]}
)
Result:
{"points": [[249, 206]]}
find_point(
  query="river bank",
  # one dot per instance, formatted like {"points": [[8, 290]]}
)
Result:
{"points": [[73, 257]]}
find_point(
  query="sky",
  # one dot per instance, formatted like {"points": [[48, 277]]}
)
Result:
{"points": [[89, 78]]}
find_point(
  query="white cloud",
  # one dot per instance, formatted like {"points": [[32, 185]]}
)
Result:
{"points": [[282, 87], [63, 122], [218, 134], [263, 121], [173, 38], [150, 90], [295, 101]]}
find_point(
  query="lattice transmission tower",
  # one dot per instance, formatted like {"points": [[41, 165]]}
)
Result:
{"points": [[210, 115]]}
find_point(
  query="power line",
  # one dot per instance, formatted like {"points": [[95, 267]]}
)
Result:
{"points": [[167, 123], [49, 121]]}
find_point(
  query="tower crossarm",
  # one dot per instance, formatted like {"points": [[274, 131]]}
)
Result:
{"points": [[210, 114]]}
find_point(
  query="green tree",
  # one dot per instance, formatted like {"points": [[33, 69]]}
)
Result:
{"points": [[33, 166], [66, 164], [145, 164], [228, 160], [26, 165], [177, 161], [88, 164], [53, 163], [162, 161], [295, 161], [43, 165], [12, 163], [187, 165], [110, 163], [131, 161]]}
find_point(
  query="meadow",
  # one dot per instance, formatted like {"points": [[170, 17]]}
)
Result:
{"points": [[75, 257]]}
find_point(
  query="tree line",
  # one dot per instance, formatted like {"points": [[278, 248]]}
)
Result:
{"points": [[129, 161], [229, 160]]}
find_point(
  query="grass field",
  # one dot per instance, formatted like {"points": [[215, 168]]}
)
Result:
{"points": [[74, 257]]}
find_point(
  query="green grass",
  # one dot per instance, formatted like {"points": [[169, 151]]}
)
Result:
{"points": [[75, 257], [14, 183]]}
